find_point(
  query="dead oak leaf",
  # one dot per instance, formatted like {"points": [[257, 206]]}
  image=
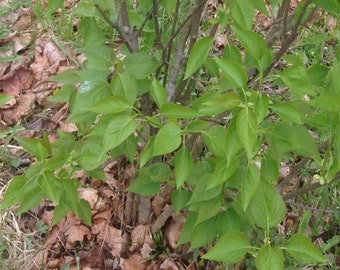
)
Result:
{"points": [[24, 108], [21, 80]]}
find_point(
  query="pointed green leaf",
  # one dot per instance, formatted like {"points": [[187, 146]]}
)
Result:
{"points": [[179, 198], [140, 65], [34, 147], [267, 208], [202, 234], [231, 247], [287, 112], [261, 107], [269, 170], [167, 140], [51, 187], [233, 72], [260, 5], [119, 128], [214, 138], [178, 111], [169, 5], [85, 212], [242, 12], [183, 164], [147, 152], [227, 221], [197, 56], [284, 137], [269, 258], [158, 93], [329, 102], [297, 80], [208, 209], [110, 105], [249, 184], [247, 129], [221, 103], [4, 99], [150, 178], [14, 191], [303, 250], [254, 44], [223, 171]]}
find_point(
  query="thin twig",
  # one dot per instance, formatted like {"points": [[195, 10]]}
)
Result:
{"points": [[116, 27], [305, 207]]}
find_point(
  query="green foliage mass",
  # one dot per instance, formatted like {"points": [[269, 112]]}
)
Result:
{"points": [[193, 118]]}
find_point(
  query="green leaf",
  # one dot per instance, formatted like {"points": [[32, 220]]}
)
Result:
{"points": [[332, 6], [158, 93], [284, 137], [249, 184], [261, 105], [223, 171], [110, 105], [214, 138], [287, 112], [233, 72], [267, 208], [254, 44], [34, 147], [150, 178], [201, 193], [147, 152], [187, 230], [53, 6], [242, 12], [140, 65], [269, 258], [232, 53], [247, 129], [122, 84], [202, 234], [318, 74], [85, 212], [297, 80], [169, 5], [328, 102], [91, 33], [303, 250], [227, 221], [31, 198], [167, 140], [197, 126], [233, 143], [260, 5], [4, 99], [269, 170], [178, 111], [231, 247], [119, 128], [14, 192], [179, 198], [50, 186], [197, 56], [183, 164], [69, 76], [60, 211], [91, 156], [209, 209], [63, 94], [220, 103]]}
